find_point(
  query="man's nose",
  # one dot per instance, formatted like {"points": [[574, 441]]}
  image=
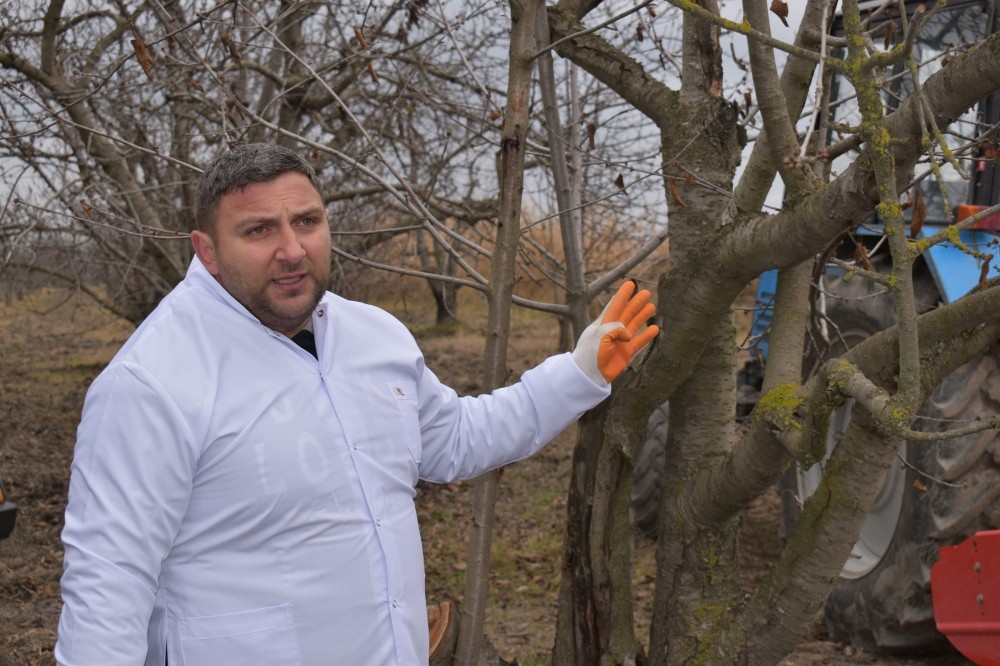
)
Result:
{"points": [[290, 247]]}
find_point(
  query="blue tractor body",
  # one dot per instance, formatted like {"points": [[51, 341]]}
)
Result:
{"points": [[955, 273]]}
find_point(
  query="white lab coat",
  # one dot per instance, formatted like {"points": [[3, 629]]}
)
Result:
{"points": [[234, 501]]}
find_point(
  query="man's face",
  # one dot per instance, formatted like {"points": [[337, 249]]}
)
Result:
{"points": [[271, 250]]}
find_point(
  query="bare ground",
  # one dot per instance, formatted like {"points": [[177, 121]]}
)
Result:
{"points": [[51, 348]]}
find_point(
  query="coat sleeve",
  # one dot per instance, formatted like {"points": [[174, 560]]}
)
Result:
{"points": [[463, 437], [130, 485]]}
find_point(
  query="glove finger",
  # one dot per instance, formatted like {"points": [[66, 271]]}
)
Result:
{"points": [[639, 319], [635, 304], [610, 342], [613, 311], [611, 346], [642, 339], [618, 334]]}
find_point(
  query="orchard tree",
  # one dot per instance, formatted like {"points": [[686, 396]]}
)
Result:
{"points": [[721, 239]]}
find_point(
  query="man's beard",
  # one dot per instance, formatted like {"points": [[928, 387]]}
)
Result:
{"points": [[274, 313]]}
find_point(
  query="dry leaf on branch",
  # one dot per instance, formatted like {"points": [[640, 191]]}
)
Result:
{"points": [[861, 254], [780, 9], [145, 61], [591, 134], [230, 45], [620, 183], [890, 32], [361, 37], [919, 214], [674, 194], [989, 149], [984, 274]]}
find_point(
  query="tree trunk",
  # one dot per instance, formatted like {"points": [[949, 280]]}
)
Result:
{"points": [[446, 299], [512, 151]]}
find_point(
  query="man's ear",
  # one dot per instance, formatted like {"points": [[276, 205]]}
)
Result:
{"points": [[204, 247]]}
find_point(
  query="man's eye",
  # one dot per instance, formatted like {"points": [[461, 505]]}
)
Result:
{"points": [[256, 231], [308, 221]]}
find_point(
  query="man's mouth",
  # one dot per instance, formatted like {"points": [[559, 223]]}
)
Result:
{"points": [[292, 279]]}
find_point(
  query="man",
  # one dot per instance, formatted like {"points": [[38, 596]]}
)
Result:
{"points": [[237, 499]]}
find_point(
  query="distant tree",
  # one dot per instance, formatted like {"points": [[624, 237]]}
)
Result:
{"points": [[108, 112]]}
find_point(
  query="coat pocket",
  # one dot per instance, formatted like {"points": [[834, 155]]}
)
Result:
{"points": [[405, 395], [259, 636]]}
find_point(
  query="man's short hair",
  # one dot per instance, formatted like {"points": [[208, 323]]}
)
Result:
{"points": [[239, 168]]}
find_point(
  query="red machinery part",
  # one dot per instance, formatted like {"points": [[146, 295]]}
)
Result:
{"points": [[991, 222], [965, 590]]}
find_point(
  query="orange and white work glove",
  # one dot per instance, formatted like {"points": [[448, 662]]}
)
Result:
{"points": [[607, 346]]}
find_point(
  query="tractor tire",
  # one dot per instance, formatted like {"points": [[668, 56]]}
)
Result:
{"points": [[937, 494], [648, 473]]}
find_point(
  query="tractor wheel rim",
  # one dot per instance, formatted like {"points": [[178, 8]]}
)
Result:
{"points": [[883, 517]]}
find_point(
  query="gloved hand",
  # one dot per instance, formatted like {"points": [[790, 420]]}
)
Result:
{"points": [[607, 346]]}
